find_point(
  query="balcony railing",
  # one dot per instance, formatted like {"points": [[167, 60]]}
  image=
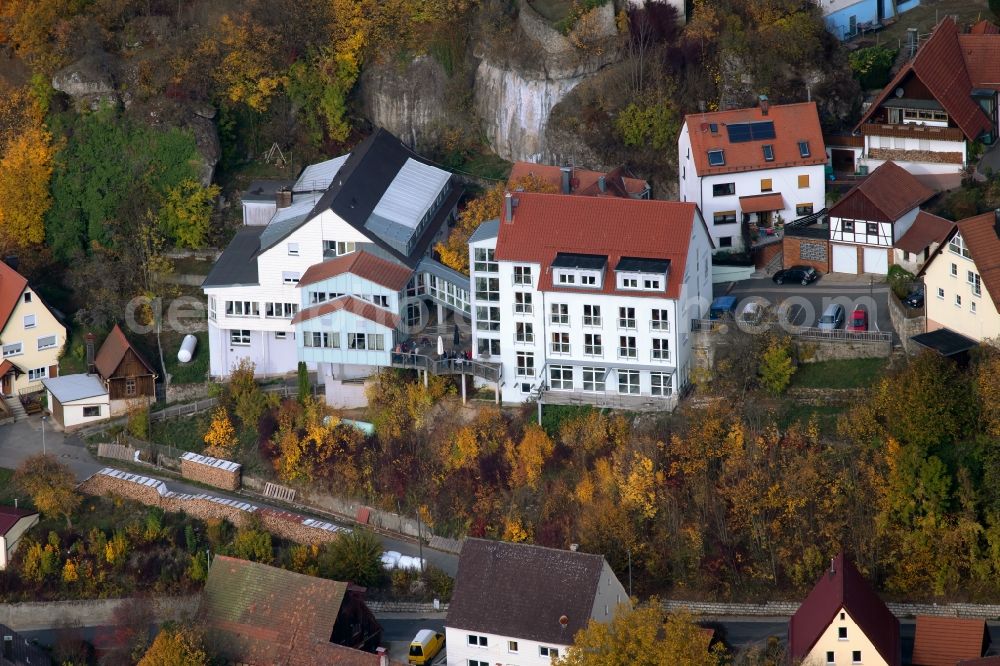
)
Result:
{"points": [[913, 131]]}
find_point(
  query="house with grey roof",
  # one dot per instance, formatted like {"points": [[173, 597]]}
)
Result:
{"points": [[520, 605], [361, 227], [76, 400]]}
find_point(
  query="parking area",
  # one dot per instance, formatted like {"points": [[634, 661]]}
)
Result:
{"points": [[800, 305]]}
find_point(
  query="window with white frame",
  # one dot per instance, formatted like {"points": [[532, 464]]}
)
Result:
{"points": [[592, 345], [92, 411], [523, 302], [487, 318], [659, 383], [338, 248], [478, 662], [46, 342], [27, 297], [524, 332], [239, 337], [561, 377], [13, 349], [592, 315], [522, 275], [628, 282], [660, 350], [487, 289], [290, 277], [628, 382], [550, 652], [293, 249], [972, 307], [211, 308], [321, 339], [975, 283], [242, 309], [29, 321], [954, 270], [626, 346], [593, 379], [381, 300], [512, 647], [855, 656], [652, 284], [280, 310], [560, 343], [484, 261], [366, 341], [841, 633], [831, 658], [525, 364], [958, 300], [589, 279], [488, 347], [565, 277], [659, 320], [940, 292], [626, 317], [559, 313], [35, 374], [280, 335], [957, 245], [478, 641]]}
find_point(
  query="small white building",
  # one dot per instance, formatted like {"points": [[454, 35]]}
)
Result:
{"points": [[922, 240], [590, 299], [262, 198], [76, 400], [14, 523], [751, 170], [520, 605]]}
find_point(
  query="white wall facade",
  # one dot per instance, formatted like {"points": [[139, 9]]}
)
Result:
{"points": [[258, 213], [951, 302], [497, 650], [843, 649], [40, 337], [784, 181], [519, 386], [9, 541], [270, 354], [73, 411]]}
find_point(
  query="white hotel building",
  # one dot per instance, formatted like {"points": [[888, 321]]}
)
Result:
{"points": [[588, 299]]}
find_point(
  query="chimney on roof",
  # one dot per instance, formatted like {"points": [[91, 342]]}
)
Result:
{"points": [[283, 198], [764, 105], [508, 208], [567, 173], [602, 184], [90, 353]]}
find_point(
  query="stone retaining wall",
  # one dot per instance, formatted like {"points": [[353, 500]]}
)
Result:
{"points": [[815, 350], [223, 474], [37, 615], [905, 326], [404, 607], [187, 392], [788, 608], [825, 396]]}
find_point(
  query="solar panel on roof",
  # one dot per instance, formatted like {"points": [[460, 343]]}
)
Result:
{"points": [[763, 129], [738, 132], [755, 131]]}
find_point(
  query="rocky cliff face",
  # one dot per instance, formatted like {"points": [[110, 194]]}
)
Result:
{"points": [[409, 101], [515, 94]]}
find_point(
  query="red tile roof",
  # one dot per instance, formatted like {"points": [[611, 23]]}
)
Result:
{"points": [[845, 588], [7, 366], [981, 234], [792, 123], [941, 65], [389, 274], [12, 285], [944, 641], [761, 203], [353, 305], [111, 353], [982, 58], [984, 27], [985, 661], [582, 181], [9, 516], [925, 230], [547, 224], [885, 196]]}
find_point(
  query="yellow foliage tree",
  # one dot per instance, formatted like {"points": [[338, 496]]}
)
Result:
{"points": [[187, 211], [26, 154], [176, 646], [248, 70], [69, 572], [454, 251], [221, 435], [637, 483], [528, 458]]}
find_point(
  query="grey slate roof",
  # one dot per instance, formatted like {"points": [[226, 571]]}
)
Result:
{"points": [[69, 388], [238, 264], [486, 230], [521, 591], [434, 267], [263, 190], [285, 221]]}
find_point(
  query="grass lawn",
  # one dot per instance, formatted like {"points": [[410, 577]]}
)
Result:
{"points": [[192, 266], [852, 373], [826, 414], [194, 372], [487, 165], [74, 357], [185, 433]]}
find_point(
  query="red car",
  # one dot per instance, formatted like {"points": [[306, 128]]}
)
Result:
{"points": [[858, 320]]}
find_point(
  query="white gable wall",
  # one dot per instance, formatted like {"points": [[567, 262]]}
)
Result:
{"points": [[843, 649], [497, 649]]}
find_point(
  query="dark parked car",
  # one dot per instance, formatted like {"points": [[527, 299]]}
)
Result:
{"points": [[802, 274], [915, 299]]}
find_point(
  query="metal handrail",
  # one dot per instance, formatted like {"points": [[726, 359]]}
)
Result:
{"points": [[446, 366]]}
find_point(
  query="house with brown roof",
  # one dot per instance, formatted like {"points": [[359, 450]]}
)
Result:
{"points": [[924, 237], [842, 622], [128, 376], [751, 170], [946, 641], [262, 615], [14, 523], [962, 279], [584, 182], [867, 221], [520, 604], [32, 336], [938, 104]]}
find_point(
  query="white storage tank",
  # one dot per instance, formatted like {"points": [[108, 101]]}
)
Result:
{"points": [[186, 352]]}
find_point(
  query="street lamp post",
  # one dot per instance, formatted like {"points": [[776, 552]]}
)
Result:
{"points": [[44, 418]]}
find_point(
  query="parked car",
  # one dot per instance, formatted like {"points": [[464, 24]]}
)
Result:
{"points": [[832, 318], [801, 274], [858, 321], [721, 307], [915, 299], [425, 646]]}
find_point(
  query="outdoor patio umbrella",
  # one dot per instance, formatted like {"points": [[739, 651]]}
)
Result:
{"points": [[440, 346]]}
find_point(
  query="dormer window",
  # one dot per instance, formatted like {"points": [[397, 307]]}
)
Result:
{"points": [[713, 128], [639, 274], [716, 158], [768, 152], [804, 149], [578, 270]]}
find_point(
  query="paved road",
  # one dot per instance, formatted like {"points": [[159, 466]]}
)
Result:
{"points": [[24, 438], [803, 305]]}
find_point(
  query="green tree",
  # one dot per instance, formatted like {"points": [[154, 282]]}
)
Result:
{"points": [[655, 124], [51, 484], [776, 365], [354, 556], [253, 543], [187, 212], [305, 388]]}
